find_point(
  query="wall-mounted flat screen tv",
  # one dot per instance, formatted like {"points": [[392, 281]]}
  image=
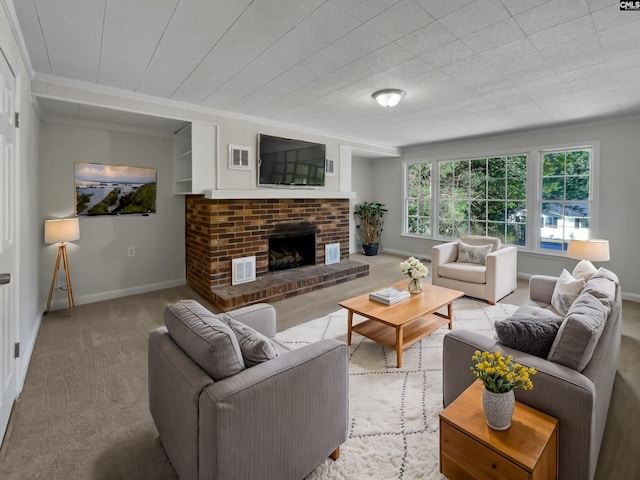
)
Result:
{"points": [[285, 161]]}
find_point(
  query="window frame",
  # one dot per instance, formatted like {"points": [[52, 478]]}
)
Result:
{"points": [[534, 159]]}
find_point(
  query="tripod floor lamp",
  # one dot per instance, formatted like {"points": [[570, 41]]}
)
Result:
{"points": [[61, 231]]}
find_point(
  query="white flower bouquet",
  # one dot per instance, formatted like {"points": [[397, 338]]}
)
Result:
{"points": [[414, 268]]}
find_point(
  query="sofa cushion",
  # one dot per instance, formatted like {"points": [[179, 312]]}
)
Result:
{"points": [[208, 341], [566, 291], [579, 333], [465, 272], [602, 285], [473, 253], [255, 347], [584, 269], [532, 335]]}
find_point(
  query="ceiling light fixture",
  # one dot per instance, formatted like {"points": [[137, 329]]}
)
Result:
{"points": [[389, 97]]}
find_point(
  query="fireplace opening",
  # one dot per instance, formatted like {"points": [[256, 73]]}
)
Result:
{"points": [[291, 246]]}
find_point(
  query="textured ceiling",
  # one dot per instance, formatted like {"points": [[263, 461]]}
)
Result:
{"points": [[469, 67]]}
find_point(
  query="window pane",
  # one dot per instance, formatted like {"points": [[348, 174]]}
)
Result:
{"points": [[478, 210], [553, 164], [553, 188], [478, 228], [497, 167], [578, 162], [516, 234], [517, 166], [516, 189], [496, 211], [577, 188], [497, 188]]}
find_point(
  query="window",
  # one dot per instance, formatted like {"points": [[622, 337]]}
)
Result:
{"points": [[492, 195], [418, 199], [484, 196], [565, 197]]}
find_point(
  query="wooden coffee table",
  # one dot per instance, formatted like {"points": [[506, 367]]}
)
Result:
{"points": [[404, 323]]}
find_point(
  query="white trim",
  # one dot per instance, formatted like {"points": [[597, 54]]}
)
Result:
{"points": [[58, 88], [26, 352], [61, 303]]}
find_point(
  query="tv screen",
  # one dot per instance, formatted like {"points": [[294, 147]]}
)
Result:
{"points": [[284, 161]]}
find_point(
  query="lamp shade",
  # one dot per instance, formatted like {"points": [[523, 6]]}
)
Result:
{"points": [[592, 250], [389, 97], [62, 230]]}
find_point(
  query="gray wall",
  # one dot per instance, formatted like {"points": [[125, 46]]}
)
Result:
{"points": [[619, 220], [99, 265]]}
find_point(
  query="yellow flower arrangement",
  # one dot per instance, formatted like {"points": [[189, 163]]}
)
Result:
{"points": [[499, 373]]}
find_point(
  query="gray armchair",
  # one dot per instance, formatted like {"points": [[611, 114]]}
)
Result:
{"points": [[490, 280], [278, 419]]}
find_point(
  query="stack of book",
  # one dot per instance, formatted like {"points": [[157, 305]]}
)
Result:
{"points": [[389, 295]]}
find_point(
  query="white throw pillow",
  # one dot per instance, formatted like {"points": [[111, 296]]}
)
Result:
{"points": [[473, 253], [566, 291], [584, 269]]}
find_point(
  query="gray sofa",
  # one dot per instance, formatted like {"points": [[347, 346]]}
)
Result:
{"points": [[235, 405], [577, 395]]}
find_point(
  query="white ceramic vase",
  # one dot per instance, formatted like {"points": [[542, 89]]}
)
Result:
{"points": [[415, 285], [498, 408]]}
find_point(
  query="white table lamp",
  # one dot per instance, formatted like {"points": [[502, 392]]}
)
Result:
{"points": [[61, 231], [593, 250]]}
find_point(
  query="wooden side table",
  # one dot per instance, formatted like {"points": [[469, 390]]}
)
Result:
{"points": [[470, 449]]}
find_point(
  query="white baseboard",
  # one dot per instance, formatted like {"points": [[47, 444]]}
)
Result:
{"points": [[61, 303]]}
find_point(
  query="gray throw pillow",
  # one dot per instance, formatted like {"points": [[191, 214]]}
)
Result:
{"points": [[209, 342], [578, 336], [255, 347], [533, 335]]}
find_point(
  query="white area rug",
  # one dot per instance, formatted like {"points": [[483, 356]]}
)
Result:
{"points": [[393, 413]]}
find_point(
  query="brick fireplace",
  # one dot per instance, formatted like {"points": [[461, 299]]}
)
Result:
{"points": [[220, 230]]}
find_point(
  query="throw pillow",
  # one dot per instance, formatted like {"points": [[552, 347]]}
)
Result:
{"points": [[255, 347], [584, 269], [473, 253], [578, 336], [533, 335], [565, 292], [209, 342]]}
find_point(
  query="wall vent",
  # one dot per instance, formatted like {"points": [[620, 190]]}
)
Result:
{"points": [[239, 157], [331, 253], [329, 167], [243, 270]]}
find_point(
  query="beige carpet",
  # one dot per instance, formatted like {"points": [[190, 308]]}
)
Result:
{"points": [[392, 411], [83, 413]]}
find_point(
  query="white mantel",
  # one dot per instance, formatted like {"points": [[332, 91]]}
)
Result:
{"points": [[271, 193]]}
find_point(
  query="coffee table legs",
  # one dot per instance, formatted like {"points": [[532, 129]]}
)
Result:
{"points": [[349, 326], [399, 345]]}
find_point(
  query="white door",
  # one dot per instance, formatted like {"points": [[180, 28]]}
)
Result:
{"points": [[8, 251]]}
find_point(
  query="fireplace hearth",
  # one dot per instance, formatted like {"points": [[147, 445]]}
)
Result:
{"points": [[221, 230]]}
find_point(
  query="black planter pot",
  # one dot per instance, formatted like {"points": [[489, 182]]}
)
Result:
{"points": [[370, 250]]}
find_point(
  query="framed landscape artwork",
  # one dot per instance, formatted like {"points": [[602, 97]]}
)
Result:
{"points": [[114, 189]]}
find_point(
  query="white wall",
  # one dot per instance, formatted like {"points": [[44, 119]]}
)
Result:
{"points": [[619, 220], [99, 265]]}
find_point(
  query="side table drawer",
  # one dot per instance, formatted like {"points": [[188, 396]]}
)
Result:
{"points": [[461, 457]]}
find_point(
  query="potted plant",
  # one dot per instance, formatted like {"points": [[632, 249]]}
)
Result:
{"points": [[370, 215]]}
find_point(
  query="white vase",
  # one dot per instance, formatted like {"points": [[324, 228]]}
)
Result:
{"points": [[415, 285], [498, 408]]}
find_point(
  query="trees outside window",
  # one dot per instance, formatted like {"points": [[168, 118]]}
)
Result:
{"points": [[489, 196]]}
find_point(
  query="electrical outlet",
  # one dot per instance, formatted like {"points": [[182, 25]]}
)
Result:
{"points": [[131, 252]]}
